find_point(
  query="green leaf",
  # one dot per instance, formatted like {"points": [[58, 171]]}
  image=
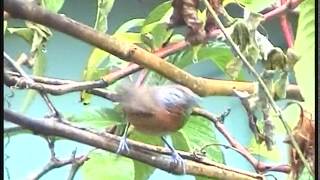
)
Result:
{"points": [[24, 33], [160, 34], [305, 47], [142, 170], [199, 132], [52, 5], [305, 174], [98, 56], [130, 24], [103, 10], [261, 150], [106, 165], [99, 118], [218, 53], [158, 14], [184, 58], [155, 25], [38, 70], [291, 115], [252, 5], [130, 37]]}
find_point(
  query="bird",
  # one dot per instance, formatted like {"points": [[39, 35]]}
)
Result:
{"points": [[156, 110]]}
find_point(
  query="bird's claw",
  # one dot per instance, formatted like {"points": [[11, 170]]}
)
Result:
{"points": [[178, 160], [123, 146]]}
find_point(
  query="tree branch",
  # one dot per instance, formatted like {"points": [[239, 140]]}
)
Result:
{"points": [[152, 155], [125, 51], [60, 86]]}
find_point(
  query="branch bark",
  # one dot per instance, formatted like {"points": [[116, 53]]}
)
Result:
{"points": [[152, 155], [61, 86], [126, 51]]}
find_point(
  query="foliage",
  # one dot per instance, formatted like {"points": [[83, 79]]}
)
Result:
{"points": [[153, 34]]}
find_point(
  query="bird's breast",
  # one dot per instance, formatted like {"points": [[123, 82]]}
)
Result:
{"points": [[160, 123]]}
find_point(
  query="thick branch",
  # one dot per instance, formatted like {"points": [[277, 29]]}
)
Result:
{"points": [[126, 51], [152, 155], [60, 86]]}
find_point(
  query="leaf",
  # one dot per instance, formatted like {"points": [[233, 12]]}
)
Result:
{"points": [[155, 26], [98, 56], [218, 53], [144, 171], [129, 37], [38, 70], [158, 14], [281, 85], [100, 118], [233, 68], [106, 165], [252, 5], [199, 132], [160, 34], [305, 47], [25, 33], [184, 58], [261, 150], [103, 10], [52, 5], [291, 115], [130, 24]]}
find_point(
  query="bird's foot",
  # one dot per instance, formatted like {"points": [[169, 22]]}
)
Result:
{"points": [[178, 160], [123, 146]]}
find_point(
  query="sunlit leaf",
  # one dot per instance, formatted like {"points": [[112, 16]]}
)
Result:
{"points": [[261, 150], [106, 165], [305, 47], [291, 115], [130, 37]]}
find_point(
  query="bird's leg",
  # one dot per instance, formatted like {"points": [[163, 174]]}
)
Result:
{"points": [[123, 146], [175, 155]]}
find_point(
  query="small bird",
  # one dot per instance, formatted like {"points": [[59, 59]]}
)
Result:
{"points": [[156, 110]]}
